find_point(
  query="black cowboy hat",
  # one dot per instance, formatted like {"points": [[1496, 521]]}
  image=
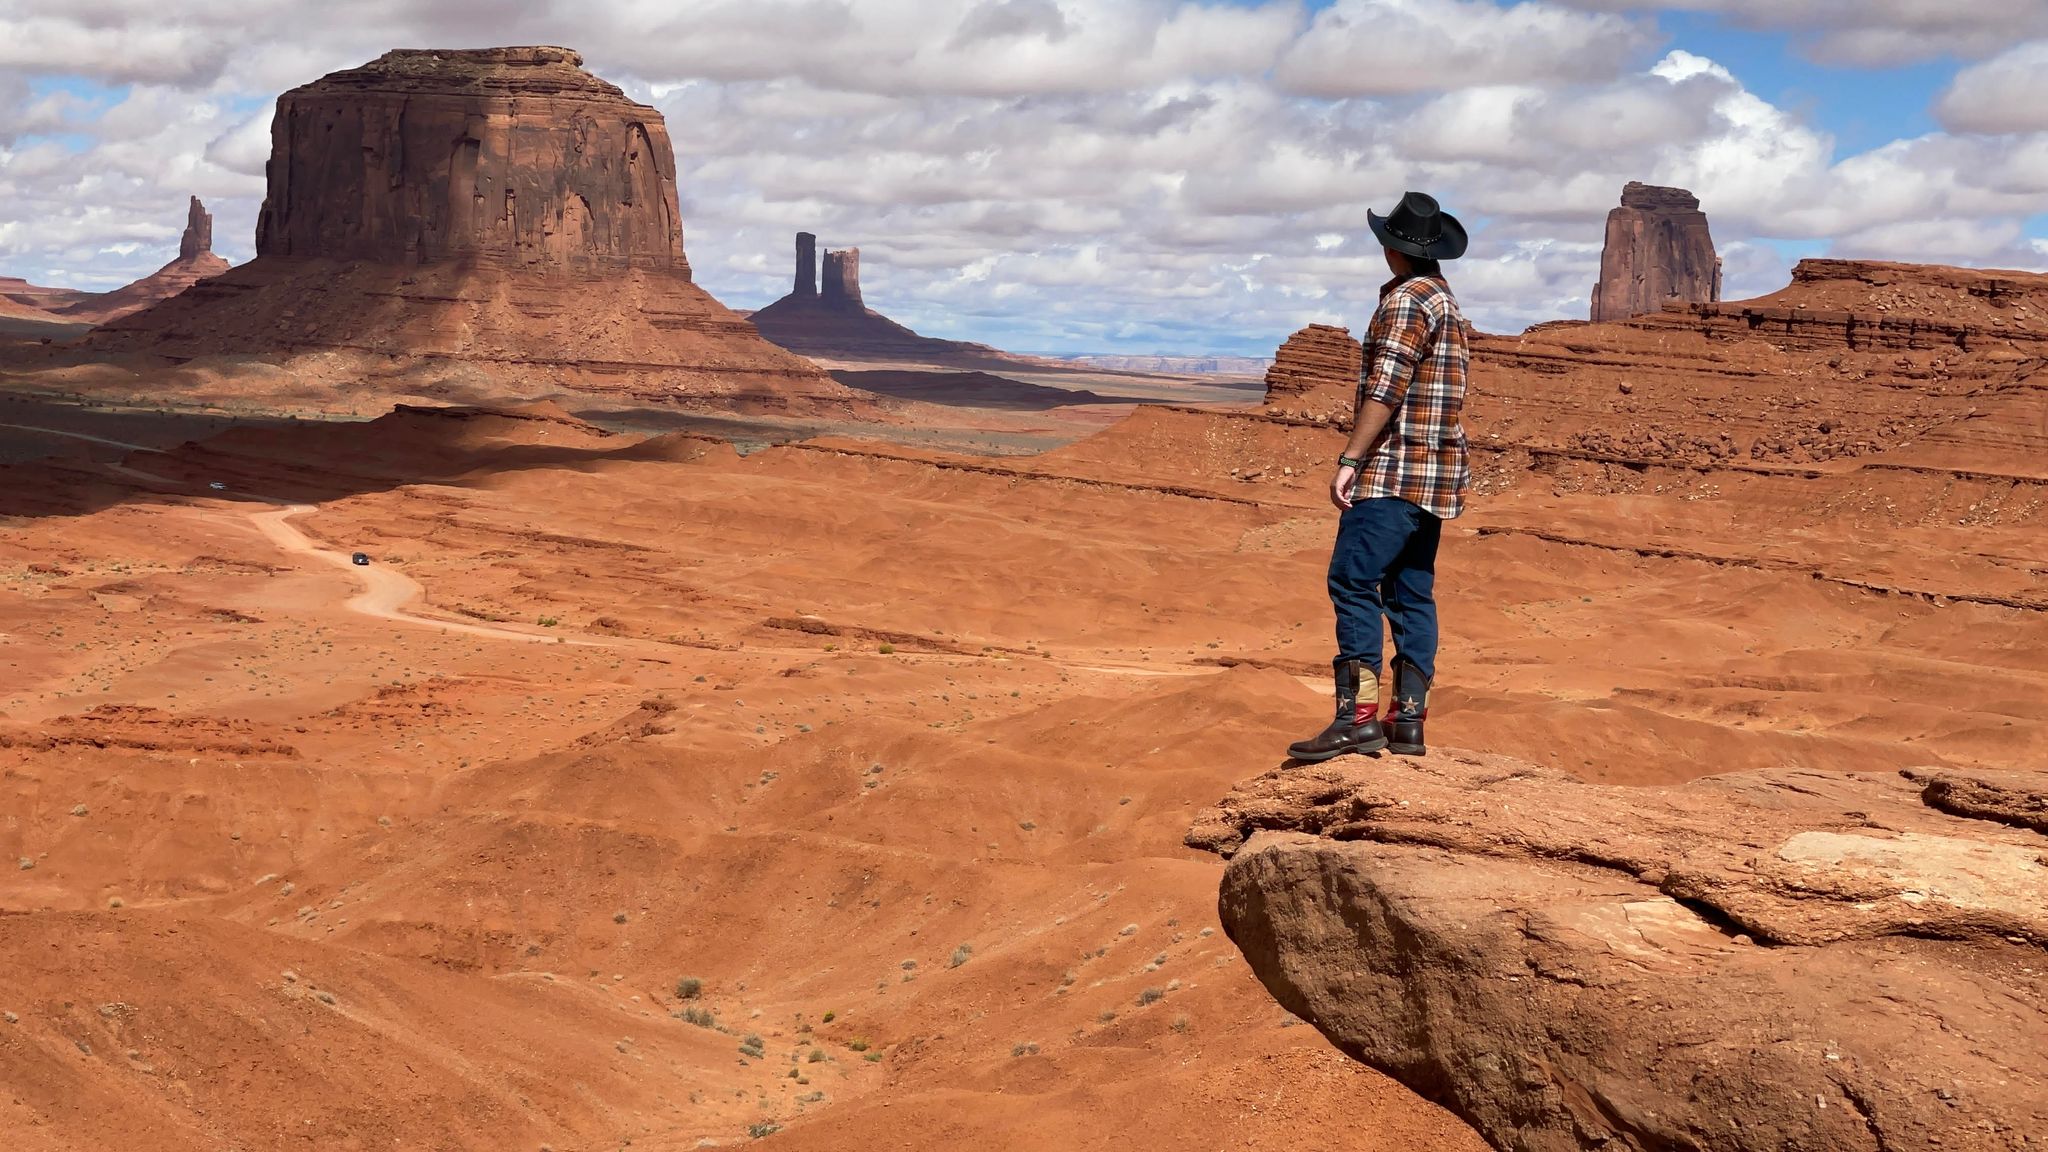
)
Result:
{"points": [[1418, 227]]}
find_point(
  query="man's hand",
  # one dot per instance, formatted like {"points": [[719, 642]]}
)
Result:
{"points": [[1340, 488]]}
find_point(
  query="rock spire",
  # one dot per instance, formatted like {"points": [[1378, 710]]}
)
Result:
{"points": [[198, 238], [806, 265]]}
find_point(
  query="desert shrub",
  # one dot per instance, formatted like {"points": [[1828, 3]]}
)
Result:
{"points": [[1151, 996], [689, 988]]}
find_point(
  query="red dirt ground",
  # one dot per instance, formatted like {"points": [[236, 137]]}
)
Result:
{"points": [[893, 750]]}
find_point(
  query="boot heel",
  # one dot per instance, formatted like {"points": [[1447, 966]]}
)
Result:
{"points": [[1404, 738]]}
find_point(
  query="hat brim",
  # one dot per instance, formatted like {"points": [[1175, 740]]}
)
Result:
{"points": [[1448, 246]]}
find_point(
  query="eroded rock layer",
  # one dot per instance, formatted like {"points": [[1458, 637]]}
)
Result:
{"points": [[1783, 959], [499, 208], [1321, 359], [1659, 249]]}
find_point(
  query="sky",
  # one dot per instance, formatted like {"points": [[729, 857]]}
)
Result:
{"points": [[1138, 176]]}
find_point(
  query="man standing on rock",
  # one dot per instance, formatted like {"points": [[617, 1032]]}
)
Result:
{"points": [[1402, 475]]}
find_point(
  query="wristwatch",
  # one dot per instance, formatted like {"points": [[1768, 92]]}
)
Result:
{"points": [[1349, 462]]}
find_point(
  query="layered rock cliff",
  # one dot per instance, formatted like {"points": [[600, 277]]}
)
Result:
{"points": [[1658, 249], [1745, 963], [515, 156], [1939, 365], [499, 208], [1320, 359]]}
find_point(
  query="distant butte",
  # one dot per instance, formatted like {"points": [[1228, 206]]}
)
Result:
{"points": [[829, 320], [1658, 249], [500, 209]]}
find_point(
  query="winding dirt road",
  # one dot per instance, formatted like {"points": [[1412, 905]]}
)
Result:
{"points": [[386, 593]]}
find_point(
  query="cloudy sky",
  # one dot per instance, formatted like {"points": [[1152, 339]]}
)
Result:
{"points": [[1117, 175]]}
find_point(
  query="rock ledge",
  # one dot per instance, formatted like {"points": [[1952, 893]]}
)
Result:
{"points": [[1763, 961]]}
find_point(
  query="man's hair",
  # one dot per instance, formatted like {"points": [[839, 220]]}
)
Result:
{"points": [[1425, 267]]}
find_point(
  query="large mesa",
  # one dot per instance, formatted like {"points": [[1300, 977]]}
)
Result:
{"points": [[501, 208], [1658, 249]]}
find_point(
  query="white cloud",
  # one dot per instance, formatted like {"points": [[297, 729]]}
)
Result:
{"points": [[1384, 47], [1045, 174], [2007, 93], [1873, 33]]}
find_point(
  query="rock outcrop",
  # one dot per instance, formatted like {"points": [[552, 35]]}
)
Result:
{"points": [[828, 319], [1658, 249], [1320, 358], [1936, 365], [195, 262], [500, 209], [1784, 959]]}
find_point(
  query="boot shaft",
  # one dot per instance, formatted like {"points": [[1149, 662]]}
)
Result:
{"points": [[1358, 693], [1411, 692]]}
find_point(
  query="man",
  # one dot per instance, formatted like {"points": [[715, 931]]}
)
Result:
{"points": [[1402, 475]]}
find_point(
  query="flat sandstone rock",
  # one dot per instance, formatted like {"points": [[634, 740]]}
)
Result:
{"points": [[1771, 960]]}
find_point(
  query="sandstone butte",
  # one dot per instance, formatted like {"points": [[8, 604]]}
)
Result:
{"points": [[498, 212], [1658, 249], [829, 320]]}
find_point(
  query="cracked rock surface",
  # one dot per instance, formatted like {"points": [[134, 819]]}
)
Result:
{"points": [[1770, 960]]}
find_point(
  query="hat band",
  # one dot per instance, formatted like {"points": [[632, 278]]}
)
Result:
{"points": [[1400, 235]]}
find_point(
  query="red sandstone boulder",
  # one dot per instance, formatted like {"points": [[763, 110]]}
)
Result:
{"points": [[1744, 963]]}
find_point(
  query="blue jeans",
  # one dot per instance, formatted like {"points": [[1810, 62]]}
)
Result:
{"points": [[1384, 564]]}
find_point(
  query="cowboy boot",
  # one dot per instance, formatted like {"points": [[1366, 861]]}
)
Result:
{"points": [[1410, 707], [1357, 726]]}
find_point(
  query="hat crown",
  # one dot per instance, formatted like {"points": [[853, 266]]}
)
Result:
{"points": [[1418, 226], [1418, 215]]}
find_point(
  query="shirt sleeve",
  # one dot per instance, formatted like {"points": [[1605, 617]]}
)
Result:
{"points": [[1400, 332]]}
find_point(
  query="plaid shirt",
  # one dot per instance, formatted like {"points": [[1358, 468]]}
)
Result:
{"points": [[1415, 363]]}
